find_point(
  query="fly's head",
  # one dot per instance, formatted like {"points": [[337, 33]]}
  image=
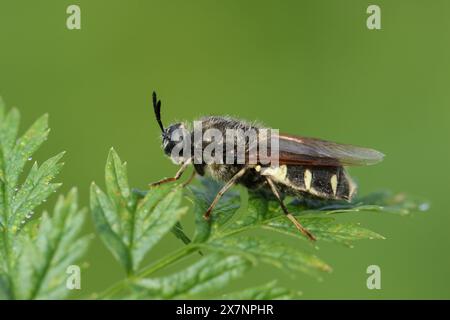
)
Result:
{"points": [[172, 136], [175, 137]]}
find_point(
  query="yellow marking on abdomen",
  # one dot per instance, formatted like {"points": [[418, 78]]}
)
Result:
{"points": [[308, 179], [277, 173], [334, 183]]}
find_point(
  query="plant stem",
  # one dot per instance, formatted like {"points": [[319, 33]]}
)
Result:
{"points": [[165, 261], [173, 257]]}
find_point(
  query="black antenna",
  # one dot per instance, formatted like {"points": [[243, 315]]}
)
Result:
{"points": [[157, 108]]}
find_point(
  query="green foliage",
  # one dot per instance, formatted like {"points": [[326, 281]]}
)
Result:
{"points": [[34, 251], [205, 276], [269, 291], [55, 246], [267, 215], [130, 228], [131, 223]]}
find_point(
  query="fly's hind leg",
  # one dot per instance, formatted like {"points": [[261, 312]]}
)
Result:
{"points": [[288, 214], [222, 191]]}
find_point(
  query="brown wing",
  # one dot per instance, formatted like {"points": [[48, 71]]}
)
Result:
{"points": [[310, 151]]}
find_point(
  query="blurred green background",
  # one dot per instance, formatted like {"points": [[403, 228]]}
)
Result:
{"points": [[306, 67]]}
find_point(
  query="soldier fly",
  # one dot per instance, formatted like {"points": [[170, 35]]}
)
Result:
{"points": [[306, 167]]}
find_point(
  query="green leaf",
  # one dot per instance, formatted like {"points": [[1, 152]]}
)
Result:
{"points": [[23, 240], [269, 291], [271, 252], [8, 131], [257, 211], [262, 215], [324, 228], [209, 274], [202, 197], [119, 194], [129, 225], [385, 201], [156, 215], [35, 190], [177, 229], [18, 202], [102, 209], [5, 289], [381, 201], [42, 265], [24, 149], [222, 235]]}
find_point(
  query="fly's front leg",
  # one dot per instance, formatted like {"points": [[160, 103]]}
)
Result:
{"points": [[287, 213], [222, 191], [175, 178]]}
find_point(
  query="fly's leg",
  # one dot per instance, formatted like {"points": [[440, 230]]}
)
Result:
{"points": [[175, 178], [289, 215], [188, 181], [222, 191]]}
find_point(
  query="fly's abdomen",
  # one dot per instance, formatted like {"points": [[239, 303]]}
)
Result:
{"points": [[325, 182]]}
